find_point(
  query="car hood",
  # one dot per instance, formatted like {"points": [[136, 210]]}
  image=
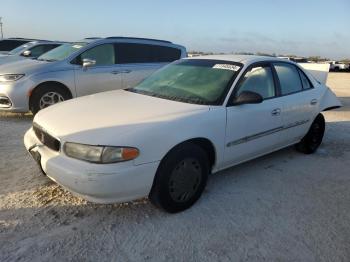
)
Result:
{"points": [[10, 58], [123, 112], [24, 66]]}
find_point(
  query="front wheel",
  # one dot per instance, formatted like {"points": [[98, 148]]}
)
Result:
{"points": [[180, 179], [46, 96], [313, 139]]}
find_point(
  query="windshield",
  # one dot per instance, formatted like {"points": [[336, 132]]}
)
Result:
{"points": [[21, 48], [62, 52], [196, 81]]}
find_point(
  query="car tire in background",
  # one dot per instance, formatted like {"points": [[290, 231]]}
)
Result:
{"points": [[181, 178], [313, 139], [46, 95]]}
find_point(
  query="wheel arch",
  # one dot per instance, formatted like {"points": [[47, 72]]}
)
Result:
{"points": [[202, 142], [46, 83]]}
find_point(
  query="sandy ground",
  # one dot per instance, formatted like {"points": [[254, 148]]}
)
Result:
{"points": [[285, 206]]}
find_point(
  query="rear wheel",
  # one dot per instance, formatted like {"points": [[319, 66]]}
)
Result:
{"points": [[180, 179], [313, 139], [47, 95]]}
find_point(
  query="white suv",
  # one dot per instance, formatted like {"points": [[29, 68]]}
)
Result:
{"points": [[82, 68]]}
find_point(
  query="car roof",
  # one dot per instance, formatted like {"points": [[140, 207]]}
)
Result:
{"points": [[128, 39], [244, 59], [35, 42], [23, 39]]}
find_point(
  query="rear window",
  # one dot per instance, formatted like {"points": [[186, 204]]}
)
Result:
{"points": [[127, 53], [8, 45]]}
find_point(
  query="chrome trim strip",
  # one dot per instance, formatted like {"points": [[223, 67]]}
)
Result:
{"points": [[265, 133]]}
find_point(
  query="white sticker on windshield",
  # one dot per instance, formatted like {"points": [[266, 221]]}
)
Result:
{"points": [[77, 46], [227, 67]]}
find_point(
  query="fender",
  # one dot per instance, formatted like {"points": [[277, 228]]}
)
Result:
{"points": [[329, 101]]}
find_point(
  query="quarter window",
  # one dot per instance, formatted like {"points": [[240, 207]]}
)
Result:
{"points": [[258, 79], [305, 80], [103, 55], [289, 78], [165, 54]]}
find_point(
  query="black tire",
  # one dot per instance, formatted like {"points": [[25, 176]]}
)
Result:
{"points": [[59, 94], [169, 182], [313, 139]]}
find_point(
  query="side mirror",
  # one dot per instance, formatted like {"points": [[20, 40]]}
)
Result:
{"points": [[247, 97], [27, 53], [88, 63]]}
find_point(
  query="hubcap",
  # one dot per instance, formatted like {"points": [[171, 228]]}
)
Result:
{"points": [[49, 99], [185, 180]]}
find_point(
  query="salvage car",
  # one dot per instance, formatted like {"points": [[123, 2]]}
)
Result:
{"points": [[86, 67], [163, 138]]}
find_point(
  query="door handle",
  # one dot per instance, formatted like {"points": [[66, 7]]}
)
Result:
{"points": [[126, 71], [276, 112], [313, 102], [115, 72]]}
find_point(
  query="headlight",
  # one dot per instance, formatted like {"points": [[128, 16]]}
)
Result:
{"points": [[10, 77], [100, 154]]}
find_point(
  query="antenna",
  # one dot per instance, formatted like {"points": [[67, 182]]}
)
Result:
{"points": [[2, 34]]}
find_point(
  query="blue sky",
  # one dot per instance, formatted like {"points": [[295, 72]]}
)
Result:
{"points": [[301, 27]]}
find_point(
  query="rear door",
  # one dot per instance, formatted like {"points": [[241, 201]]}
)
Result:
{"points": [[254, 129], [137, 61], [103, 76], [299, 100]]}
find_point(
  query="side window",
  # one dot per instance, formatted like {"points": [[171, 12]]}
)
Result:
{"points": [[165, 53], [128, 53], [289, 78], [305, 81], [103, 55], [8, 45], [258, 79]]}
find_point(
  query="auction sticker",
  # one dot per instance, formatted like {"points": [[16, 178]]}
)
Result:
{"points": [[227, 67]]}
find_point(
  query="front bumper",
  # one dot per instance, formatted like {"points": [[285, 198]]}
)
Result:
{"points": [[14, 96], [100, 183]]}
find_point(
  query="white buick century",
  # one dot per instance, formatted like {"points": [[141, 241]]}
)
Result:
{"points": [[163, 137]]}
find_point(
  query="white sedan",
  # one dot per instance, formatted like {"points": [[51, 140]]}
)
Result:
{"points": [[162, 138]]}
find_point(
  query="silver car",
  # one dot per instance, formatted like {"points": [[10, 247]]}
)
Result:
{"points": [[32, 49], [82, 68]]}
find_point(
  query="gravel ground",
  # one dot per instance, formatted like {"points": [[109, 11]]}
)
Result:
{"points": [[281, 207]]}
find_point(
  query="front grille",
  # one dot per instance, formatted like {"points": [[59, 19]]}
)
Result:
{"points": [[46, 139], [5, 101]]}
